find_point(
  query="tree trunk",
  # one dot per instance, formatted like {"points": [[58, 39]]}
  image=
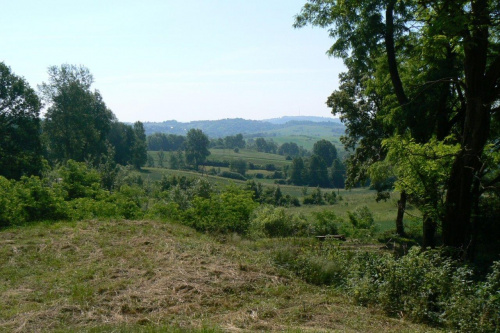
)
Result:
{"points": [[429, 232], [457, 226], [400, 229]]}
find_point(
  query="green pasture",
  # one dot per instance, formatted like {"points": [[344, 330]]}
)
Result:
{"points": [[384, 212], [252, 156]]}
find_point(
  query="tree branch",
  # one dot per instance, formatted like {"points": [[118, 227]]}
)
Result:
{"points": [[391, 55]]}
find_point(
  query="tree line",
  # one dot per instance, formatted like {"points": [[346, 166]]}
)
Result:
{"points": [[77, 124]]}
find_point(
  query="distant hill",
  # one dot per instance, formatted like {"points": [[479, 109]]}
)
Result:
{"points": [[285, 119], [249, 128]]}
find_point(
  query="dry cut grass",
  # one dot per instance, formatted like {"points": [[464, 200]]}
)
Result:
{"points": [[132, 276]]}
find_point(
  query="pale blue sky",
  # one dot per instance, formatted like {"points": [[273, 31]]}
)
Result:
{"points": [[186, 60]]}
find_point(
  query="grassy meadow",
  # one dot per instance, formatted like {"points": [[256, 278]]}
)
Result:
{"points": [[384, 212], [147, 276]]}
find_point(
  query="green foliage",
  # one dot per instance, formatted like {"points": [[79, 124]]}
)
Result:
{"points": [[425, 286], [228, 212], [77, 121], [20, 144], [161, 141], [266, 146], [196, 147], [80, 181], [298, 173], [422, 170], [139, 148], [361, 218], [331, 267], [338, 174], [361, 224], [269, 221], [232, 175], [122, 137], [290, 149], [318, 172], [327, 223], [30, 199], [400, 56], [315, 198], [239, 166], [326, 150]]}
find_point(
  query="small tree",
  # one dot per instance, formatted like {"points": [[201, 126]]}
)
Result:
{"points": [[161, 158], [239, 166]]}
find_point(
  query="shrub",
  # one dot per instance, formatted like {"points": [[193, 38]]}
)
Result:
{"points": [[30, 199], [270, 167], [361, 218], [427, 287], [268, 221], [80, 181], [221, 213], [361, 224], [330, 198], [165, 211], [326, 223], [329, 269], [315, 198]]}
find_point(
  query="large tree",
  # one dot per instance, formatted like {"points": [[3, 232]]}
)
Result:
{"points": [[441, 62], [326, 150], [121, 136], [77, 121], [20, 146], [196, 147], [139, 149]]}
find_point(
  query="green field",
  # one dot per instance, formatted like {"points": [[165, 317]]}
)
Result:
{"points": [[251, 156], [384, 212]]}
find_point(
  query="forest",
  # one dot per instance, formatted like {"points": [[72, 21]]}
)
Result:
{"points": [[398, 214]]}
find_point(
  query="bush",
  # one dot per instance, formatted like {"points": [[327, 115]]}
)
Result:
{"points": [[330, 198], [80, 181], [331, 268], [221, 213], [270, 167], [326, 223], [361, 224], [426, 287], [268, 221], [361, 218], [165, 211], [314, 198], [30, 199]]}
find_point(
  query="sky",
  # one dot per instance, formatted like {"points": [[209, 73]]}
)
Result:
{"points": [[157, 60]]}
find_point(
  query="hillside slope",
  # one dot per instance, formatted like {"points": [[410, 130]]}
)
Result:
{"points": [[132, 276], [249, 128]]}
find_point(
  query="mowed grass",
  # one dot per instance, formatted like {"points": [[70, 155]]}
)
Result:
{"points": [[147, 276]]}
